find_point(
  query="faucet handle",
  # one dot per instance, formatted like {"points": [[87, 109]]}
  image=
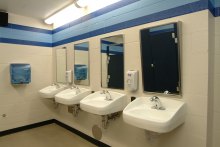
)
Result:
{"points": [[72, 87], [56, 84], [166, 92], [154, 98], [103, 91]]}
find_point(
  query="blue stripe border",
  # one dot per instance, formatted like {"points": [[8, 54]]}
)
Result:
{"points": [[211, 7], [27, 28], [112, 52], [24, 42], [161, 31], [108, 42], [97, 13], [217, 11], [80, 48], [181, 10], [214, 10]]}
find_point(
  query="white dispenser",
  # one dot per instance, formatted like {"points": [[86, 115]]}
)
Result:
{"points": [[69, 76], [132, 80]]}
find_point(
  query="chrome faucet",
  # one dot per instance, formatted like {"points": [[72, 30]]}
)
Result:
{"points": [[56, 84], [157, 103], [73, 87], [107, 95], [166, 92], [76, 88]]}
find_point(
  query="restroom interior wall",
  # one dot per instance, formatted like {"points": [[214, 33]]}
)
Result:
{"points": [[21, 103], [216, 102], [194, 71]]}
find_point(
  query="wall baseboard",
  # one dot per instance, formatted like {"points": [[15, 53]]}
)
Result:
{"points": [[27, 127], [47, 122]]}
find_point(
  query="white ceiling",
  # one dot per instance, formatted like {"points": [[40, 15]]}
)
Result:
{"points": [[33, 8]]}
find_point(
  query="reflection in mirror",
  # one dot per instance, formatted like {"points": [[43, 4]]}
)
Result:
{"points": [[61, 65], [160, 59], [112, 54], [81, 63]]}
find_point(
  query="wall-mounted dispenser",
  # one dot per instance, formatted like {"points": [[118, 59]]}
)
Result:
{"points": [[132, 80], [20, 73], [80, 72]]}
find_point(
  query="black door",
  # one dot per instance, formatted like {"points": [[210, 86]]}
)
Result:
{"points": [[147, 60], [116, 71], [165, 62]]}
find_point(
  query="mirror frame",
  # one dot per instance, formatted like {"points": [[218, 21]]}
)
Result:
{"points": [[179, 58], [123, 61], [64, 48], [88, 70]]}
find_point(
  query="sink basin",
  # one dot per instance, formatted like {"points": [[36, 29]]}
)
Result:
{"points": [[70, 96], [97, 104], [140, 113], [51, 91]]}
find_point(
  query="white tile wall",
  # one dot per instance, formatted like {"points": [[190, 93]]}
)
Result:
{"points": [[216, 140], [21, 104], [216, 109], [194, 38]]}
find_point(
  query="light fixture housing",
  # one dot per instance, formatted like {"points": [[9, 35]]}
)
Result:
{"points": [[72, 12], [81, 3]]}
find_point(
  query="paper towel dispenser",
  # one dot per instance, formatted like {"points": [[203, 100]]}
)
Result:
{"points": [[20, 73]]}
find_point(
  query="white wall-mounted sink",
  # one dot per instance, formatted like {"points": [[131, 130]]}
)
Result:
{"points": [[52, 90], [96, 103], [140, 113], [71, 96]]}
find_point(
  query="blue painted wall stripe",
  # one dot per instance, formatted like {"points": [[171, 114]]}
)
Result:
{"points": [[217, 3], [25, 35], [217, 11], [81, 48], [25, 42], [181, 10], [112, 52], [97, 13], [44, 37], [27, 28], [129, 12], [109, 43], [211, 7], [214, 7]]}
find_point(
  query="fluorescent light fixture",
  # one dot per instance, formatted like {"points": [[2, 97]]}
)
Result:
{"points": [[72, 12], [98, 4], [81, 3]]}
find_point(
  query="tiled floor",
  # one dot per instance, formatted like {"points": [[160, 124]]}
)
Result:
{"points": [[46, 136]]}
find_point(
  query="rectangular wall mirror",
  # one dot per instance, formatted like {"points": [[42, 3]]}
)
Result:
{"points": [[81, 63], [61, 66], [112, 60], [160, 59]]}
